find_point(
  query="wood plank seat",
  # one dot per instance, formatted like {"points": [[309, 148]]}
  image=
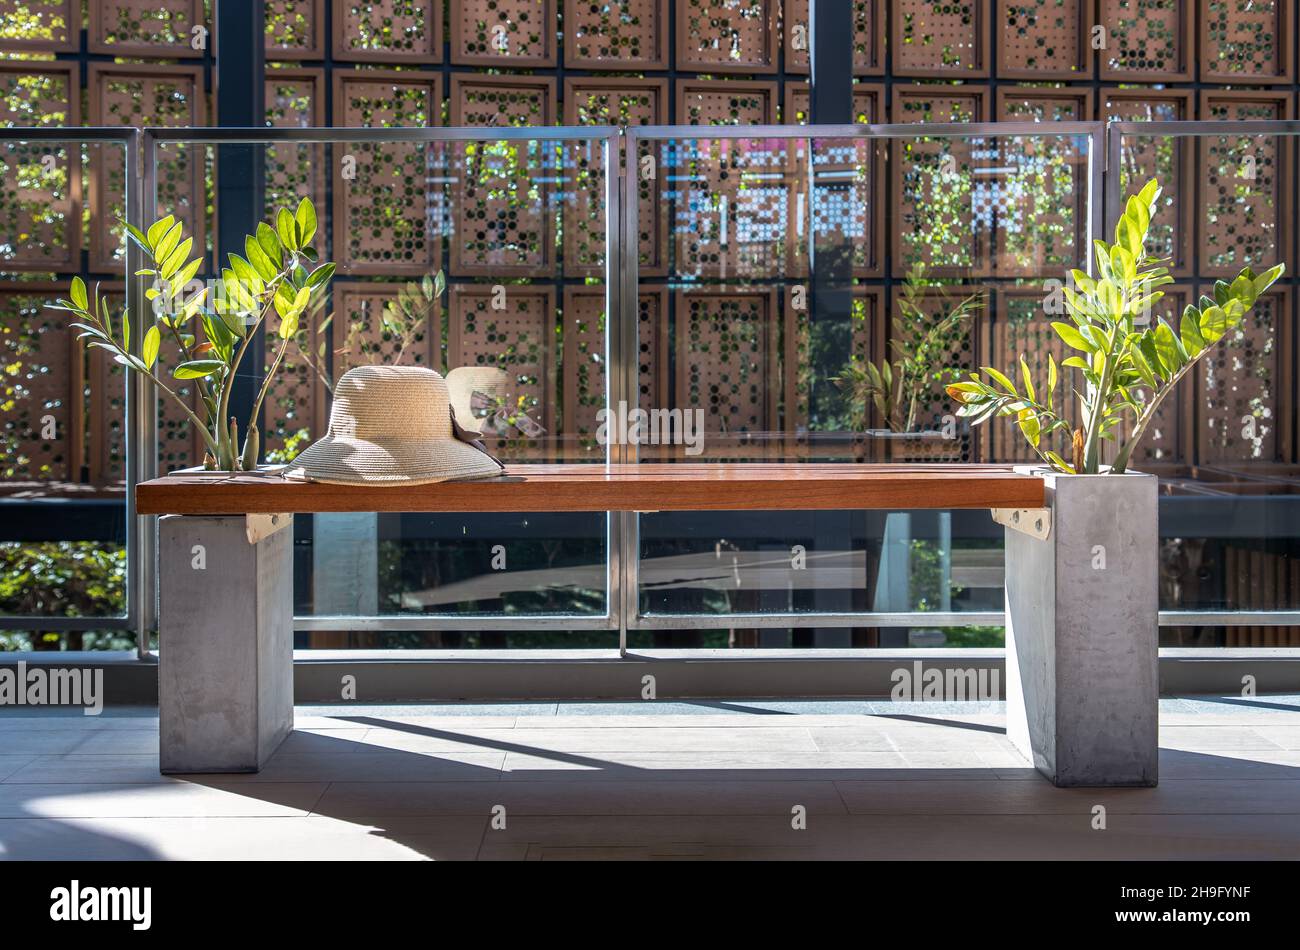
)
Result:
{"points": [[614, 487]]}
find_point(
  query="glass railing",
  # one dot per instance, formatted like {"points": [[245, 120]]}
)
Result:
{"points": [[70, 559], [731, 292]]}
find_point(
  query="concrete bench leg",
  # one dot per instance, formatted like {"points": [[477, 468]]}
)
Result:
{"points": [[1082, 638], [225, 678]]}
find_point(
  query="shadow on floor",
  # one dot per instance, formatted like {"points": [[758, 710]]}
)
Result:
{"points": [[447, 797]]}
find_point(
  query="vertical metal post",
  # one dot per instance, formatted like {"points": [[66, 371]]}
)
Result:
{"points": [[624, 370], [239, 43], [830, 25], [830, 301], [141, 410], [1105, 158]]}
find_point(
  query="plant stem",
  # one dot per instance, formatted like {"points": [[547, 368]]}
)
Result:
{"points": [[266, 383], [1121, 460], [194, 420], [223, 407], [1092, 431]]}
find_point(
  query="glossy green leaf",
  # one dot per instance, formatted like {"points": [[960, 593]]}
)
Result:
{"points": [[149, 349], [305, 216], [269, 242], [198, 369], [286, 229], [262, 264]]}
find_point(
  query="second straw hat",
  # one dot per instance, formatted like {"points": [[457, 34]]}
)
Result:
{"points": [[391, 425]]}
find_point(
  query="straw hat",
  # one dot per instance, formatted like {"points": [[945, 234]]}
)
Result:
{"points": [[391, 425], [464, 381]]}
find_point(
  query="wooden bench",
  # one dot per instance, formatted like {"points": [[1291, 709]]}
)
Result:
{"points": [[226, 564], [646, 487]]}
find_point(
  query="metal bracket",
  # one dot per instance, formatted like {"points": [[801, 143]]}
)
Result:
{"points": [[1035, 522], [260, 527]]}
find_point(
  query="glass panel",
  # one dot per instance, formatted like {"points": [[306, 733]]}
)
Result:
{"points": [[1225, 446], [792, 269], [516, 227], [62, 438]]}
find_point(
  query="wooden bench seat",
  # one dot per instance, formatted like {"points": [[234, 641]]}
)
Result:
{"points": [[632, 487]]}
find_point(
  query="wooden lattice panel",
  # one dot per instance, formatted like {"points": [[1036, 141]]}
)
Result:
{"points": [[941, 37], [358, 337], [502, 101], [385, 176], [157, 28], [731, 201], [179, 446], [520, 339], [940, 103], [295, 99], [621, 102], [933, 183], [1167, 159], [864, 342], [958, 356], [388, 31], [1147, 40], [294, 411], [46, 26], [584, 360], [721, 36], [139, 96], [1038, 104], [40, 375], [728, 365], [1246, 183], [844, 204], [504, 219], [726, 102], [1010, 206], [1044, 39], [1248, 41], [505, 34], [868, 37], [40, 183], [295, 29], [619, 34], [1245, 398], [1168, 440], [1035, 201], [868, 104], [1018, 324]]}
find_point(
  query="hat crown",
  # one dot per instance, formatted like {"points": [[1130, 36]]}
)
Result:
{"points": [[391, 403]]}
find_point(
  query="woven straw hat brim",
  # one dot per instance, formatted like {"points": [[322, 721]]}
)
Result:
{"points": [[344, 461]]}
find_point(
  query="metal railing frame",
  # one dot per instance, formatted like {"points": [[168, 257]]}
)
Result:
{"points": [[139, 543], [622, 565]]}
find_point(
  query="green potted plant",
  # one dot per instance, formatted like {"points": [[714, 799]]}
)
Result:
{"points": [[1082, 574], [924, 325], [1127, 364], [279, 272]]}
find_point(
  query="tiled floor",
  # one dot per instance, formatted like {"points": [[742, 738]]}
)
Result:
{"points": [[649, 780]]}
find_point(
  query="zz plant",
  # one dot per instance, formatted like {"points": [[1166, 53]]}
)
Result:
{"points": [[278, 272], [1127, 365]]}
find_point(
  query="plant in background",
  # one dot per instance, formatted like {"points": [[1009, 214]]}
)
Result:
{"points": [[403, 321], [918, 342], [1127, 365], [278, 272]]}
